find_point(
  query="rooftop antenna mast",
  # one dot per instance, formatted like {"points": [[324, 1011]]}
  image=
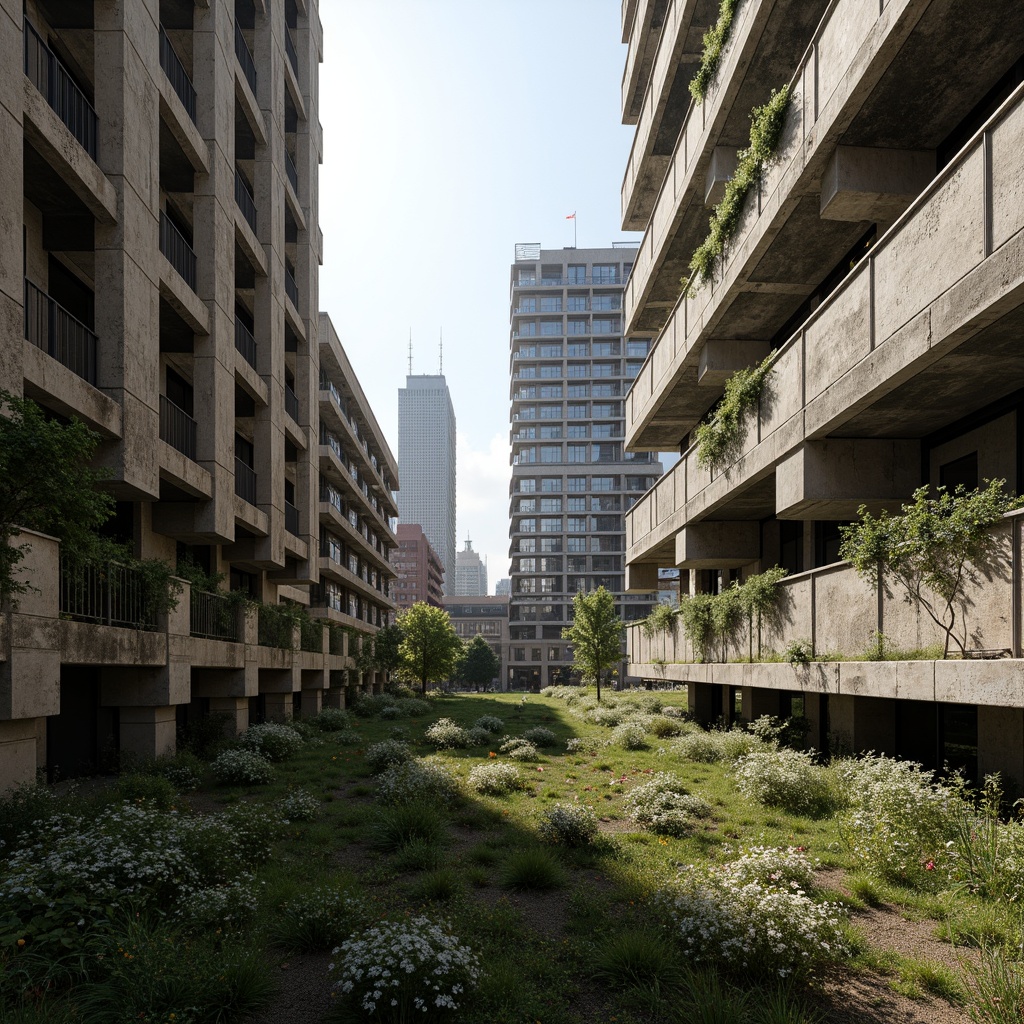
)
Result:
{"points": [[410, 351], [440, 352]]}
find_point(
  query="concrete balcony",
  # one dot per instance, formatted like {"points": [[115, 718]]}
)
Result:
{"points": [[935, 309], [809, 214], [644, 33]]}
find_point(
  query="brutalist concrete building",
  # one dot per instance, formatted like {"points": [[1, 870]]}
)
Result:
{"points": [[159, 283], [881, 256], [571, 365]]}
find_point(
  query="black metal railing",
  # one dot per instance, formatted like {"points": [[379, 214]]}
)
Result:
{"points": [[291, 519], [244, 199], [292, 171], [275, 627], [107, 593], [175, 246], [177, 428], [177, 76], [245, 481], [289, 49], [244, 55], [62, 92], [213, 617], [245, 342], [291, 289], [291, 403], [49, 326]]}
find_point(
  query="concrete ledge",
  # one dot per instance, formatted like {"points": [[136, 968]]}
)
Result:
{"points": [[203, 653], [183, 472], [85, 643], [997, 683], [182, 299], [274, 658], [186, 134], [250, 244]]}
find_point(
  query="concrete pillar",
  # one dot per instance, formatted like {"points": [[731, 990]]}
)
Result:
{"points": [[127, 254], [703, 702], [148, 731], [758, 701], [279, 706], [311, 703], [18, 760], [858, 724], [721, 167], [334, 698], [12, 86], [1001, 746], [235, 710]]}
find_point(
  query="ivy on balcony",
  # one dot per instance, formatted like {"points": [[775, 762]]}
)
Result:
{"points": [[714, 44], [718, 437]]}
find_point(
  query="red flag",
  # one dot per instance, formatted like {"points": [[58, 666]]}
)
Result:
{"points": [[571, 216]]}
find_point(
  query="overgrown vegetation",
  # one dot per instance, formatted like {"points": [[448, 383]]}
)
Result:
{"points": [[766, 124], [719, 436], [713, 44]]}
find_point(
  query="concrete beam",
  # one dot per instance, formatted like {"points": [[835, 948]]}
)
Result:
{"points": [[718, 545], [641, 578], [832, 479], [721, 167], [861, 184], [720, 359]]}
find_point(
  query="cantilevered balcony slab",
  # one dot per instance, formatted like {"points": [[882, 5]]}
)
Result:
{"points": [[718, 545], [866, 184], [833, 479]]}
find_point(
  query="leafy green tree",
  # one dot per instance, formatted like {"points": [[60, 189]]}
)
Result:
{"points": [[933, 550], [45, 484], [595, 634], [480, 664], [430, 647], [387, 648]]}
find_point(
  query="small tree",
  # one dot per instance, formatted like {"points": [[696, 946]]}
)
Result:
{"points": [[386, 648], [933, 550], [595, 634], [480, 664], [430, 647], [45, 484]]}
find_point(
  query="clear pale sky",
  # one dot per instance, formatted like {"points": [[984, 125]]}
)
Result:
{"points": [[452, 130]]}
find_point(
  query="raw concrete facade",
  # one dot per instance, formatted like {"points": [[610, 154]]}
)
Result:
{"points": [[881, 258], [161, 160], [570, 365]]}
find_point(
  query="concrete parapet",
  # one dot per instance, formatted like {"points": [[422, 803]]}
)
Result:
{"points": [[718, 545], [873, 185]]}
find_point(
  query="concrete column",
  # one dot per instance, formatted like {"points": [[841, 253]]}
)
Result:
{"points": [[148, 731], [1001, 746], [334, 698], [236, 710], [311, 703], [214, 234], [128, 258], [703, 702], [279, 707], [862, 723], [758, 701]]}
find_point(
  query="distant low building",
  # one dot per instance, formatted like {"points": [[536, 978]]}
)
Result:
{"points": [[486, 617], [420, 575]]}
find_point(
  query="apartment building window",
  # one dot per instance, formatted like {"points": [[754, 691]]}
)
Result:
{"points": [[607, 524], [578, 391], [606, 302], [578, 544], [606, 325], [577, 273], [527, 391], [526, 328], [551, 504], [606, 348], [577, 303], [605, 273], [548, 584], [827, 541], [604, 452], [576, 563], [603, 430], [548, 545], [550, 351], [577, 430], [527, 504], [604, 504], [550, 453], [604, 390], [551, 304], [527, 545], [551, 274], [577, 411], [551, 484], [551, 391], [527, 525], [527, 275], [527, 412], [527, 564], [527, 485], [526, 586], [527, 351], [579, 349], [526, 372], [526, 434], [550, 434], [550, 412], [551, 565], [637, 348], [550, 327], [578, 326], [605, 409], [604, 370], [552, 370], [577, 524], [519, 654], [576, 453], [632, 368], [551, 525], [331, 547], [576, 505], [578, 370], [576, 483], [527, 304]]}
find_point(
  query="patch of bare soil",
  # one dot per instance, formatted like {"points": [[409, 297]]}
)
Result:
{"points": [[303, 991]]}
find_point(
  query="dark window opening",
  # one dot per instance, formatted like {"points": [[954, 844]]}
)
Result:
{"points": [[791, 545], [827, 541], [962, 472]]}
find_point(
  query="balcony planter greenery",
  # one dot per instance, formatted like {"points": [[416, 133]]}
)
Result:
{"points": [[714, 44], [664, 618], [766, 124], [718, 437]]}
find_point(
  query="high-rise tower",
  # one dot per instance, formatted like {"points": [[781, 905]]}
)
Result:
{"points": [[426, 452], [571, 480], [470, 573]]}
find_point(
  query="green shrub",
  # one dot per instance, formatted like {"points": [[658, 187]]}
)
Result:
{"points": [[397, 826], [531, 868], [426, 781], [446, 734], [630, 736], [298, 805], [273, 740], [150, 788], [495, 778], [242, 768], [332, 720], [491, 723], [440, 885], [636, 957], [569, 825], [317, 919], [386, 754], [662, 805], [791, 780], [478, 737], [703, 747], [540, 737]]}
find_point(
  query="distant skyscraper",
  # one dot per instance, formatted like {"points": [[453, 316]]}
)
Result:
{"points": [[426, 453], [503, 588], [571, 480], [470, 574]]}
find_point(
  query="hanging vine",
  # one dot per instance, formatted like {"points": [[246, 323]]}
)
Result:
{"points": [[714, 43]]}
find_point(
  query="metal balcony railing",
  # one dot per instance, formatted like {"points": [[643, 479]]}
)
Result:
{"points": [[291, 519], [106, 593], [245, 481], [245, 61], [62, 93], [176, 248], [291, 289], [213, 617], [177, 76], [289, 49], [49, 326], [291, 403], [244, 199], [245, 342], [177, 428], [292, 171]]}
